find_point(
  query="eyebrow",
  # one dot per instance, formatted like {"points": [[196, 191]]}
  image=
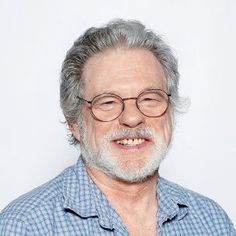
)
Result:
{"points": [[118, 93]]}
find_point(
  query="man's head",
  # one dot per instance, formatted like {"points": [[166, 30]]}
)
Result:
{"points": [[133, 66]]}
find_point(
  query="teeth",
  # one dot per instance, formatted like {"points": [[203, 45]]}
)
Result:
{"points": [[130, 142]]}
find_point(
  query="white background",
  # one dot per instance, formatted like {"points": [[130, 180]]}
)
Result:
{"points": [[34, 37]]}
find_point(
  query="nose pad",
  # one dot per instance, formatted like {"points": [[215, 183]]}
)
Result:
{"points": [[131, 116]]}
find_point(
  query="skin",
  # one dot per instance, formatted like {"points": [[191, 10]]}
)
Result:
{"points": [[126, 72]]}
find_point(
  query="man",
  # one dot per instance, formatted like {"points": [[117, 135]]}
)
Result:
{"points": [[119, 95]]}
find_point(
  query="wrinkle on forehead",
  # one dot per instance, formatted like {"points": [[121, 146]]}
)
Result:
{"points": [[119, 65], [104, 58]]}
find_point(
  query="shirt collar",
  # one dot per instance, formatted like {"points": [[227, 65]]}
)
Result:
{"points": [[84, 198], [172, 201]]}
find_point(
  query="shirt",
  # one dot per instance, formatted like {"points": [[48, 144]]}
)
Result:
{"points": [[71, 204]]}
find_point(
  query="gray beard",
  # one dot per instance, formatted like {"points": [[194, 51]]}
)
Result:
{"points": [[104, 161]]}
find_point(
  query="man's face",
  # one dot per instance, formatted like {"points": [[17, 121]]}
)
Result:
{"points": [[133, 143]]}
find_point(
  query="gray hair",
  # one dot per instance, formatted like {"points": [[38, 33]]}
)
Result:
{"points": [[128, 34]]}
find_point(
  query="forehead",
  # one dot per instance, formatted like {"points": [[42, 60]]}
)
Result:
{"points": [[122, 71]]}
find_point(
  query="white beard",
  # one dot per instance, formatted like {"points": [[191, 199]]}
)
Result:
{"points": [[112, 166]]}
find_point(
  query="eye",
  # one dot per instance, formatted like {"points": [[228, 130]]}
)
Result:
{"points": [[150, 99], [106, 103], [149, 102]]}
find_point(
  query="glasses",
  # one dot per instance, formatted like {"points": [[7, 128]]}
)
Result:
{"points": [[108, 107]]}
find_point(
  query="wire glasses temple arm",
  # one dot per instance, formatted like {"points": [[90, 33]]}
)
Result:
{"points": [[84, 99]]}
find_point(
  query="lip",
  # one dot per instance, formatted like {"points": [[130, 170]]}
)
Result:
{"points": [[147, 142]]}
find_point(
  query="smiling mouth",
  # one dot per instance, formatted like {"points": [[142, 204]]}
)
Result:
{"points": [[130, 142]]}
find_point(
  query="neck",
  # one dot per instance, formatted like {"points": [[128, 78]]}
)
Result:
{"points": [[136, 203], [125, 193]]}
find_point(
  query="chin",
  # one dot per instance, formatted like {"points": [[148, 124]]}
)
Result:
{"points": [[131, 170], [134, 175]]}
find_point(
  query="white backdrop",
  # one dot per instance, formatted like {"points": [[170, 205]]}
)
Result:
{"points": [[35, 36]]}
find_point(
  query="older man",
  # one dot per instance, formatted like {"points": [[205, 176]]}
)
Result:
{"points": [[119, 95]]}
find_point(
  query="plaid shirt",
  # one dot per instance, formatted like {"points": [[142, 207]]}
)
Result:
{"points": [[72, 205]]}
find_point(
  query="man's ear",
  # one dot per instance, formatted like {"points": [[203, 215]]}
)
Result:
{"points": [[74, 128]]}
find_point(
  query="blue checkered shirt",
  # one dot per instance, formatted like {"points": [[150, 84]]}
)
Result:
{"points": [[72, 205]]}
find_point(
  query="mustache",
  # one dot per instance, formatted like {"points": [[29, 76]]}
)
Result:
{"points": [[147, 132]]}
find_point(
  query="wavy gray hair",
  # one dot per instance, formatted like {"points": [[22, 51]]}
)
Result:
{"points": [[129, 34]]}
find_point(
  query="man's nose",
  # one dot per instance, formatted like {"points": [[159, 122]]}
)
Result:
{"points": [[131, 116]]}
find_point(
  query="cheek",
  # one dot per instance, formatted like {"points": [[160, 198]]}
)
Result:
{"points": [[163, 125], [92, 133], [168, 130], [89, 127], [96, 132]]}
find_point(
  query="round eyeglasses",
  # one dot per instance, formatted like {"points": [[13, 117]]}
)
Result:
{"points": [[108, 107]]}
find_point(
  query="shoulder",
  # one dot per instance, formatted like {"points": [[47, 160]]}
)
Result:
{"points": [[193, 199], [200, 207], [35, 206]]}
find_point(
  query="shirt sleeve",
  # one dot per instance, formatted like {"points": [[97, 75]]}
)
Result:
{"points": [[222, 221], [12, 227], [232, 230]]}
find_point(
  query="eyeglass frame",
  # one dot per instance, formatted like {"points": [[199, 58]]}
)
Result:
{"points": [[123, 104]]}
